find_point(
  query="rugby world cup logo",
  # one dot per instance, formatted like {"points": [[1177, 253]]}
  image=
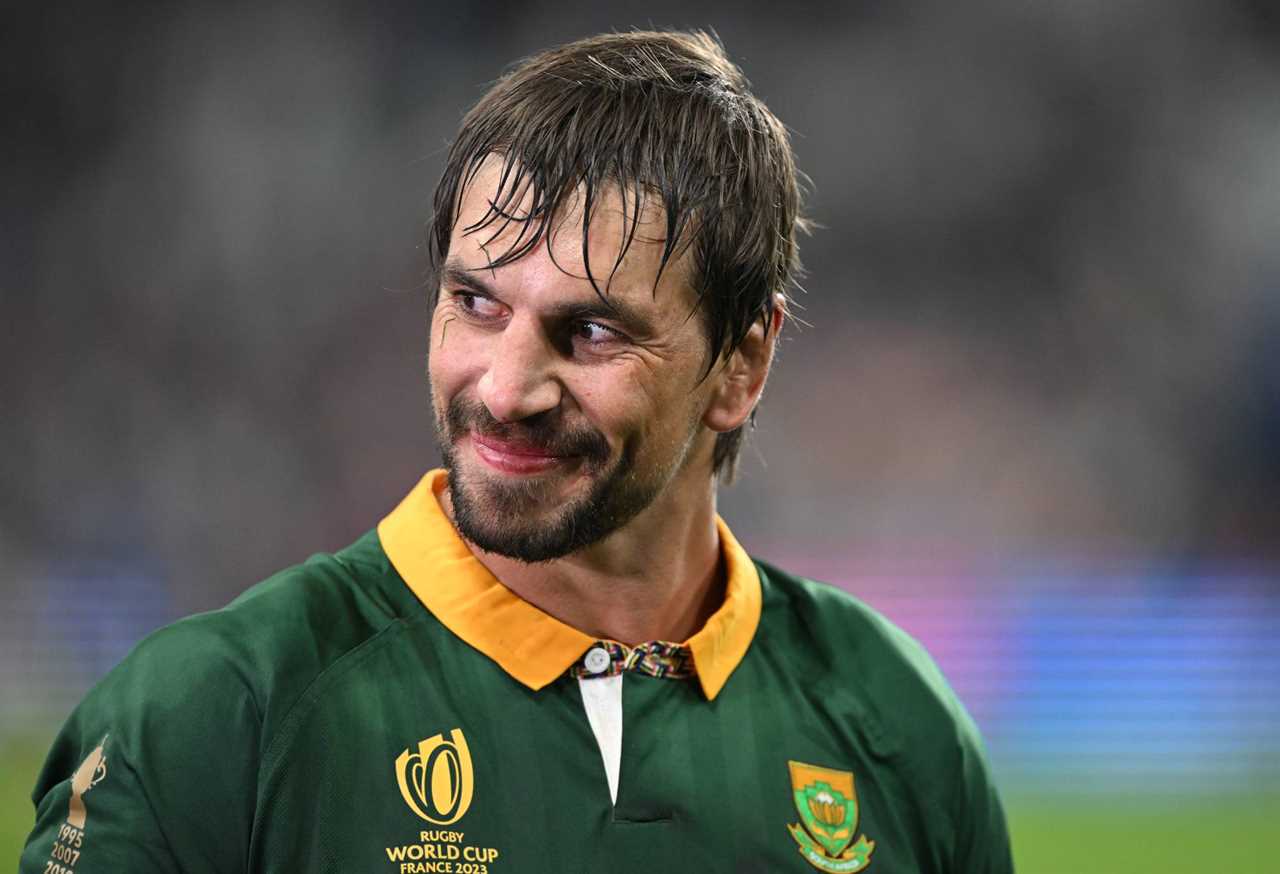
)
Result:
{"points": [[436, 781]]}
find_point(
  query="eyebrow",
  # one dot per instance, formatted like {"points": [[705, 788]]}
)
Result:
{"points": [[596, 308], [456, 274]]}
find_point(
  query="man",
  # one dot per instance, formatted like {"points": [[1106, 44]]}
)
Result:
{"points": [[553, 656]]}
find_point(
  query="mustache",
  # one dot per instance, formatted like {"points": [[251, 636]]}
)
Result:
{"points": [[543, 432]]}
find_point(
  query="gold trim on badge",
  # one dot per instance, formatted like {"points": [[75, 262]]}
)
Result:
{"points": [[437, 781]]}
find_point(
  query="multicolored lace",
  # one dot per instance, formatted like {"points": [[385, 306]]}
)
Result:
{"points": [[657, 658]]}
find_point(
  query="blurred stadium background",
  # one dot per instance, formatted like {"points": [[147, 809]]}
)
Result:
{"points": [[1034, 415]]}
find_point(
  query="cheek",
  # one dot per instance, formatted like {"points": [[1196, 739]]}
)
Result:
{"points": [[448, 361], [438, 331], [607, 402], [633, 409], [437, 370]]}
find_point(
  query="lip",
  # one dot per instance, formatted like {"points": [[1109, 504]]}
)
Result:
{"points": [[514, 458]]}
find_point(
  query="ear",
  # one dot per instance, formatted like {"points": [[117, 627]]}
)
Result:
{"points": [[740, 380]]}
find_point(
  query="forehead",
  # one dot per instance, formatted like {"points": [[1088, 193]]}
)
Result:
{"points": [[625, 239]]}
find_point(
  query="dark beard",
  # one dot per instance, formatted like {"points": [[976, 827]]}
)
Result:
{"points": [[516, 519]]}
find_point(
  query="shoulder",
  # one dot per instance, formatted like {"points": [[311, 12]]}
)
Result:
{"points": [[884, 673], [259, 653], [196, 704], [880, 680]]}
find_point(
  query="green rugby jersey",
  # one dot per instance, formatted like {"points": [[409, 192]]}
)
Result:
{"points": [[394, 709]]}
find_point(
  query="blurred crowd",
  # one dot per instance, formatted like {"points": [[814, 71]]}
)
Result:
{"points": [[1040, 319]]}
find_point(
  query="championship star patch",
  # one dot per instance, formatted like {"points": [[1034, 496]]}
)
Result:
{"points": [[828, 808]]}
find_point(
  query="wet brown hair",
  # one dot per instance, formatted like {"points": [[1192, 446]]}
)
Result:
{"points": [[648, 114]]}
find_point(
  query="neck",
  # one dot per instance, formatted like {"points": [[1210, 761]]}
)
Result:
{"points": [[659, 577]]}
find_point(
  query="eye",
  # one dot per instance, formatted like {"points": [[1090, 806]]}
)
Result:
{"points": [[595, 334], [476, 305]]}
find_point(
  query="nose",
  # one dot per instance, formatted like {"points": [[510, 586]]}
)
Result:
{"points": [[520, 381]]}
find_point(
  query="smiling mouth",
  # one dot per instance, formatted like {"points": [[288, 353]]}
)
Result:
{"points": [[515, 457]]}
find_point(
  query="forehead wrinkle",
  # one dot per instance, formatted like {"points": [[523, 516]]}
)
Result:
{"points": [[613, 232], [511, 199], [626, 232]]}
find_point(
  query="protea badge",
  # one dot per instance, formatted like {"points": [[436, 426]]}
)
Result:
{"points": [[828, 829]]}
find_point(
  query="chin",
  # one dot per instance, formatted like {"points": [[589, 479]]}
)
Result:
{"points": [[536, 519]]}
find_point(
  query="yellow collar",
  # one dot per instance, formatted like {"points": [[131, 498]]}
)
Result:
{"points": [[530, 645]]}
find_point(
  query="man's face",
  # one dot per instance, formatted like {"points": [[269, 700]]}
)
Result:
{"points": [[561, 418]]}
